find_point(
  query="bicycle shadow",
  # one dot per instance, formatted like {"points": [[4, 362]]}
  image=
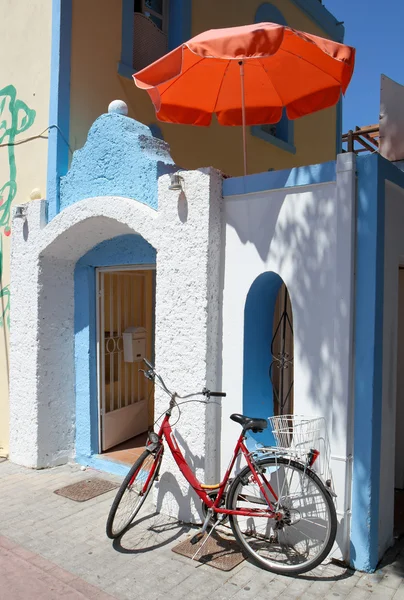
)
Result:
{"points": [[156, 529]]}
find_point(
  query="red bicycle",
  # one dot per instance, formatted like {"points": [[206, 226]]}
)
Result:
{"points": [[280, 512]]}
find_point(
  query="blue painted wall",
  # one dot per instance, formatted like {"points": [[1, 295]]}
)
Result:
{"points": [[300, 176], [120, 158], [258, 333], [368, 364], [373, 171], [59, 101], [122, 250]]}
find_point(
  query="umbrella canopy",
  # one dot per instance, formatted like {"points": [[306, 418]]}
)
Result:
{"points": [[283, 68]]}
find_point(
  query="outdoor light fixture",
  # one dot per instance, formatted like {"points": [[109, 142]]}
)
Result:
{"points": [[20, 212], [175, 182]]}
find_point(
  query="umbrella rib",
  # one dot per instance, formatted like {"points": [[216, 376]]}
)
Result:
{"points": [[182, 73], [312, 64], [220, 87], [272, 83]]}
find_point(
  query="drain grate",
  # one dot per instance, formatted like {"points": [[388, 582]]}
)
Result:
{"points": [[87, 489], [220, 551]]}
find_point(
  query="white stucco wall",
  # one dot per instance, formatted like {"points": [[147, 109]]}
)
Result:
{"points": [[306, 236], [186, 232], [393, 258]]}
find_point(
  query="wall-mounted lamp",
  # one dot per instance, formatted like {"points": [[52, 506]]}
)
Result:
{"points": [[20, 212], [176, 180]]}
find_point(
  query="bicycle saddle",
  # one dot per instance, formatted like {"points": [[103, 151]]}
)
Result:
{"points": [[257, 425]]}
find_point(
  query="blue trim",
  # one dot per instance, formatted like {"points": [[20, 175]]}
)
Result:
{"points": [[59, 102], [285, 130], [287, 146], [390, 172], [103, 464], [122, 250], [373, 171], [368, 364], [127, 33], [338, 109], [179, 31], [258, 332], [274, 180], [268, 13], [179, 22], [126, 70], [322, 17]]}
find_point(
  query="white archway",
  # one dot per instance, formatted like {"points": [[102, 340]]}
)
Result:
{"points": [[42, 376]]}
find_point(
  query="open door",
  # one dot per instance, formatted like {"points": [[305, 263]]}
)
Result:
{"points": [[125, 337]]}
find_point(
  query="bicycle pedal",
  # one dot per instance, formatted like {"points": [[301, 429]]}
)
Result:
{"points": [[196, 538]]}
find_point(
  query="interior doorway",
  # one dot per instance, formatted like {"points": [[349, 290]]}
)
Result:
{"points": [[399, 446], [125, 332]]}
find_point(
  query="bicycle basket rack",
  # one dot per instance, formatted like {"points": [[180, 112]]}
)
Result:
{"points": [[297, 436]]}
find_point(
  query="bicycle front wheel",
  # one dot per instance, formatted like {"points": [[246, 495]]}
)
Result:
{"points": [[132, 493], [303, 531]]}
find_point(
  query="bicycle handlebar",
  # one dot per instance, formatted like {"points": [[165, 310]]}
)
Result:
{"points": [[151, 374]]}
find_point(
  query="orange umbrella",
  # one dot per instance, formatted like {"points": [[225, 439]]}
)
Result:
{"points": [[247, 76]]}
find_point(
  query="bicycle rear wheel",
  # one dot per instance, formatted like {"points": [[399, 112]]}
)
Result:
{"points": [[302, 534], [132, 493]]}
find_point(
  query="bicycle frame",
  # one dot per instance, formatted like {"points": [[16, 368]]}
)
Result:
{"points": [[166, 433]]}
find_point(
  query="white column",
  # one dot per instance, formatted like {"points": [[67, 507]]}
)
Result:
{"points": [[187, 329], [341, 428]]}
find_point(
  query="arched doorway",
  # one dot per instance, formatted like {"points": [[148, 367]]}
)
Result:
{"points": [[114, 314], [268, 351]]}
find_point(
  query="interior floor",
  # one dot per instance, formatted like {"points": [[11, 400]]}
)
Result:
{"points": [[399, 513], [128, 451]]}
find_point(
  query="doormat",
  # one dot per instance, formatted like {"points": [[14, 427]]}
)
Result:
{"points": [[87, 489], [220, 551]]}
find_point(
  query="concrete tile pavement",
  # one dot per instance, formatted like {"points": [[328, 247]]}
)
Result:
{"points": [[57, 546]]}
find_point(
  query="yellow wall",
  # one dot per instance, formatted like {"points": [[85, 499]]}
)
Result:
{"points": [[25, 42], [96, 50]]}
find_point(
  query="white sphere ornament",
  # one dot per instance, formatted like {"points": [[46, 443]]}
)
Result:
{"points": [[119, 107], [35, 194]]}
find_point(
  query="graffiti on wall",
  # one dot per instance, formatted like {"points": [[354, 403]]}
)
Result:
{"points": [[15, 118]]}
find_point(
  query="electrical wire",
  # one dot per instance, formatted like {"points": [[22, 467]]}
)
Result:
{"points": [[41, 136]]}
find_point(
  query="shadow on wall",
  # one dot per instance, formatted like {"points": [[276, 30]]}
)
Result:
{"points": [[295, 235], [188, 502]]}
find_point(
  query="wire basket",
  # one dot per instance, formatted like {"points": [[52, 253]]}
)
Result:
{"points": [[300, 436]]}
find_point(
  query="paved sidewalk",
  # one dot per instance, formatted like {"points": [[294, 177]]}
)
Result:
{"points": [[59, 547]]}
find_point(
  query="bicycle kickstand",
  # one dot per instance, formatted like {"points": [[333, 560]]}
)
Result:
{"points": [[198, 536]]}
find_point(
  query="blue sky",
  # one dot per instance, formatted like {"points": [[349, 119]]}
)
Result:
{"points": [[375, 29]]}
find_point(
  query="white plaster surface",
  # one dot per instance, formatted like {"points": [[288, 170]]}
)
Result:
{"points": [[393, 258], [306, 236], [186, 232]]}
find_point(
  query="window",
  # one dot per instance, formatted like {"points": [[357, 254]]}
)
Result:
{"points": [[150, 29], [280, 134], [155, 10]]}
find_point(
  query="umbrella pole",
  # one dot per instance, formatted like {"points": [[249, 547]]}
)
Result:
{"points": [[243, 115]]}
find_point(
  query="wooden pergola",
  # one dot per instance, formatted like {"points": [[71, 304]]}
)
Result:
{"points": [[362, 139]]}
